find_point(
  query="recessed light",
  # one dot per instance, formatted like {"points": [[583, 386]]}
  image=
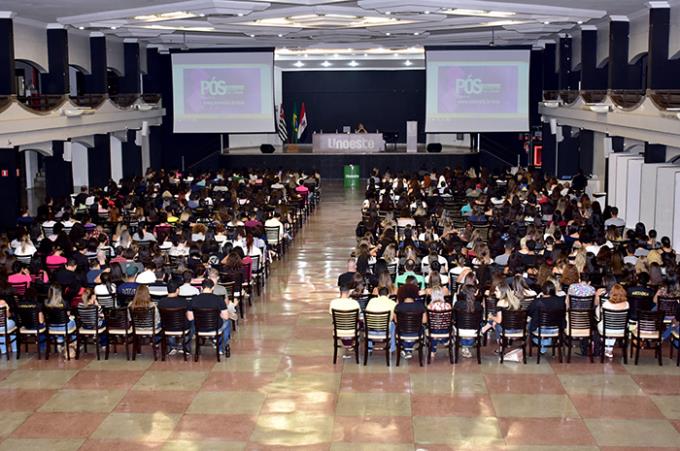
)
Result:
{"points": [[299, 64], [252, 35], [326, 64], [353, 63], [580, 22], [388, 33], [427, 12], [81, 28], [335, 55], [547, 22], [387, 13], [201, 15], [416, 34], [306, 55], [113, 28], [240, 14], [280, 35], [365, 55], [408, 63]]}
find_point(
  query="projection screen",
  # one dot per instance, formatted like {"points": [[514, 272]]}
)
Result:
{"points": [[223, 92], [477, 90]]}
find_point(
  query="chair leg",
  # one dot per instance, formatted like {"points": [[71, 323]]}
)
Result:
{"points": [[503, 340], [17, 338], [456, 349], [450, 346], [96, 346], [37, 344], [164, 346], [479, 351], [67, 343], [388, 345], [356, 349], [198, 349], [659, 346], [625, 350], [569, 343], [335, 350], [524, 350], [108, 345], [428, 343], [399, 351], [366, 351], [559, 344], [217, 348]]}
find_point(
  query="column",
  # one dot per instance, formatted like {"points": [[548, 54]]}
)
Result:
{"points": [[564, 74], [599, 169], [550, 82], [618, 144], [117, 157], [156, 159], [152, 79], [99, 161], [95, 82], [132, 156], [549, 150], [568, 153], [586, 151], [56, 81], [9, 188], [655, 153], [130, 83], [7, 79], [659, 75], [592, 78], [58, 173], [619, 36]]}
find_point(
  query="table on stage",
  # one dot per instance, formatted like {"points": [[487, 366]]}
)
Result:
{"points": [[348, 142]]}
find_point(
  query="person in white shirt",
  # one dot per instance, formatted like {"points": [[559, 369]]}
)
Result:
{"points": [[614, 220], [148, 275], [186, 289], [275, 221], [383, 303], [344, 302]]}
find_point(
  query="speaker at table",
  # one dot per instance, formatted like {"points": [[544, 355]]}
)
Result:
{"points": [[267, 148], [434, 147]]}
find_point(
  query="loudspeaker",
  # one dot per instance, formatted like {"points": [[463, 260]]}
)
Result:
{"points": [[553, 126], [434, 147], [267, 148]]}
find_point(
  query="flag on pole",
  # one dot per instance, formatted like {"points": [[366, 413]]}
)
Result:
{"points": [[282, 127], [303, 122], [294, 123]]}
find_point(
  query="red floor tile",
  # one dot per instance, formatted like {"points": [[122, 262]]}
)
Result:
{"points": [[456, 405], [367, 382], [155, 401], [119, 445], [23, 400], [383, 430], [311, 333], [524, 383], [61, 424], [545, 431], [676, 424], [104, 379], [226, 427], [622, 407], [234, 381], [260, 447], [658, 384]]}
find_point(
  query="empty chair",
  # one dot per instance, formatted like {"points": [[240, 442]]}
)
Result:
{"points": [[175, 326], [345, 330], [409, 331], [649, 328], [90, 325], [145, 325], [119, 327], [31, 326], [439, 328], [377, 330], [468, 326], [513, 327], [580, 326]]}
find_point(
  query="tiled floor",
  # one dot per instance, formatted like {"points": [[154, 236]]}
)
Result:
{"points": [[280, 389]]}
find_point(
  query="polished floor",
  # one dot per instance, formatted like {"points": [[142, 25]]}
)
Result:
{"points": [[280, 388]]}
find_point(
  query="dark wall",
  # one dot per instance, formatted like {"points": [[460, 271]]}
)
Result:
{"points": [[382, 100]]}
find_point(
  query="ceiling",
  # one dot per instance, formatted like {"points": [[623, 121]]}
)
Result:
{"points": [[352, 27]]}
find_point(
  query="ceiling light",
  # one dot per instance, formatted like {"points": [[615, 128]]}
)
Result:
{"points": [[252, 35], [201, 15], [580, 22], [388, 33], [299, 64], [427, 12], [341, 16], [353, 63], [387, 13], [113, 28], [365, 55], [326, 64], [175, 15], [304, 16], [478, 12], [306, 55], [280, 35], [240, 14], [335, 55], [81, 28], [168, 27], [546, 22], [416, 33], [408, 63]]}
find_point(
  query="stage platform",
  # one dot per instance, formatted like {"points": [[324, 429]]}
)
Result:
{"points": [[330, 165]]}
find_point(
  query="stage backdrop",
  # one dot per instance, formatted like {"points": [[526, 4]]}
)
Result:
{"points": [[382, 100]]}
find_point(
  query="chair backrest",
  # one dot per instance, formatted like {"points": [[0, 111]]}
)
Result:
{"points": [[615, 319], [483, 230], [87, 316], [345, 321], [650, 323], [409, 323], [206, 319], [550, 318], [377, 321], [255, 265], [392, 269], [580, 319], [29, 315], [526, 302], [581, 302], [668, 305], [19, 287], [56, 316], [3, 317], [143, 318], [362, 299], [468, 320], [490, 305], [117, 318], [107, 300], [440, 320], [229, 285], [514, 320], [174, 319], [272, 234]]}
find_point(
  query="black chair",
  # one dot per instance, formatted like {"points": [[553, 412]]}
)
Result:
{"points": [[377, 330], [581, 302], [174, 323], [649, 329], [119, 326], [207, 323], [8, 333], [468, 325], [615, 325], [58, 320], [554, 321], [345, 327], [19, 287], [514, 327], [274, 239], [30, 326], [410, 330], [439, 327], [145, 326], [580, 326], [107, 301], [88, 326]]}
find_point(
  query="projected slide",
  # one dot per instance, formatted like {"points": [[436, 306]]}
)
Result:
{"points": [[477, 91], [223, 92]]}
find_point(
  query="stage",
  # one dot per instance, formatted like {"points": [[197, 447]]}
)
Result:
{"points": [[330, 165]]}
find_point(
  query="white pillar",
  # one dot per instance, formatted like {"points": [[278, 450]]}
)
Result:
{"points": [[142, 140], [80, 166], [31, 167], [116, 158]]}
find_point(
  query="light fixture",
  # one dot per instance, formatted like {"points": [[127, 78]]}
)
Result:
{"points": [[174, 15], [365, 55], [252, 35], [168, 27], [201, 15], [240, 14], [547, 22], [580, 22], [427, 12], [408, 63], [280, 35], [306, 55], [388, 33], [299, 64], [81, 28], [113, 28], [326, 64], [304, 16], [416, 34], [478, 12], [335, 55], [353, 63], [387, 13]]}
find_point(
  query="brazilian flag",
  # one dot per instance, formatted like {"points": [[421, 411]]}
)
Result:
{"points": [[294, 123]]}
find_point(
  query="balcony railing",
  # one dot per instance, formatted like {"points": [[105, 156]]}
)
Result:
{"points": [[89, 100], [151, 98], [594, 96], [627, 99], [5, 101], [569, 96], [665, 99], [42, 102], [551, 95], [124, 100]]}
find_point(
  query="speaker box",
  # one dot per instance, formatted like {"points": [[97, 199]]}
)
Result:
{"points": [[434, 147], [267, 148]]}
